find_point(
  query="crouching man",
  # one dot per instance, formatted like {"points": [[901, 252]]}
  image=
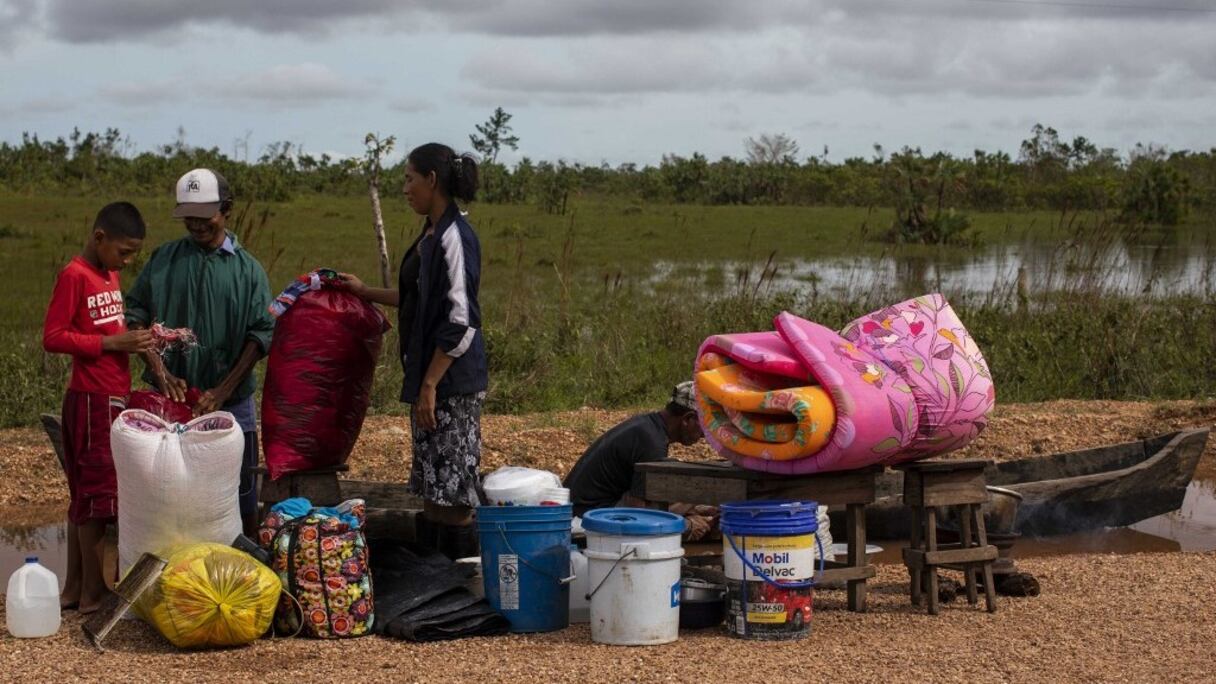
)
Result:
{"points": [[604, 474]]}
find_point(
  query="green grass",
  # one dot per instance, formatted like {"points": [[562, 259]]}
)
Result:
{"points": [[574, 317]]}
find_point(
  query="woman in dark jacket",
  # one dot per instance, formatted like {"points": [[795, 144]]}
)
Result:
{"points": [[442, 347]]}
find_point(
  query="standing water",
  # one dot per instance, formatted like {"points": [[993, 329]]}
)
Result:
{"points": [[31, 605]]}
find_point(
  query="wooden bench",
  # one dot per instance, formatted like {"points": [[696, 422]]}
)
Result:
{"points": [[718, 482], [391, 509]]}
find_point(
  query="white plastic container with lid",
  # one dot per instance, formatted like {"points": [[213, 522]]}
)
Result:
{"points": [[633, 558], [31, 605]]}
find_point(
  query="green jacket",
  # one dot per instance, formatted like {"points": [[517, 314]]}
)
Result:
{"points": [[222, 296]]}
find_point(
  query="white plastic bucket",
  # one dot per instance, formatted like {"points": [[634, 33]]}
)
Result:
{"points": [[633, 558]]}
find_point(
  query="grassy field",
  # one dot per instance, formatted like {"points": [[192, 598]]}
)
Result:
{"points": [[574, 313]]}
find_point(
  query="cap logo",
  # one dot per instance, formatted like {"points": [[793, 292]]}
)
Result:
{"points": [[192, 185]]}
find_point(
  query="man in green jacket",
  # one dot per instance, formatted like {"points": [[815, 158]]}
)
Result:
{"points": [[207, 282]]}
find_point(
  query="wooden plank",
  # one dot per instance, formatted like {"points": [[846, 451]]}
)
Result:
{"points": [[391, 523], [961, 464], [855, 517], [956, 496], [982, 536], [319, 488], [713, 484], [944, 488], [831, 489], [693, 489], [931, 546], [915, 543], [723, 469], [848, 574], [54, 432], [968, 572], [380, 494], [928, 559]]}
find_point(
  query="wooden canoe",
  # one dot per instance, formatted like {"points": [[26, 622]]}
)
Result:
{"points": [[1110, 486]]}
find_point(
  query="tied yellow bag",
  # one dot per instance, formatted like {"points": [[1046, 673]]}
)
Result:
{"points": [[211, 595]]}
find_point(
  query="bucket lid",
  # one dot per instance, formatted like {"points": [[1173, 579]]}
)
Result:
{"points": [[632, 522], [776, 517]]}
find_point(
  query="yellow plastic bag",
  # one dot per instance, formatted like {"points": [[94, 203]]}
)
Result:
{"points": [[211, 595]]}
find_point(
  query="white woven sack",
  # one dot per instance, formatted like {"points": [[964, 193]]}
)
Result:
{"points": [[177, 483]]}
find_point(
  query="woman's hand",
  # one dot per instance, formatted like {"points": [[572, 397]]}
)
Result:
{"points": [[353, 284], [424, 410]]}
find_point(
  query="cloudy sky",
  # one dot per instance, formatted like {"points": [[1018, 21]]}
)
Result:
{"points": [[613, 80]]}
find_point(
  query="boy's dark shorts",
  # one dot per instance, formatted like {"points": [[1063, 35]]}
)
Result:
{"points": [[87, 460]]}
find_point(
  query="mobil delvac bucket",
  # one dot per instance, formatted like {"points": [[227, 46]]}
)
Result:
{"points": [[768, 553], [525, 564], [633, 563]]}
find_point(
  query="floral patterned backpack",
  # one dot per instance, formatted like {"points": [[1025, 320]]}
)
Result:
{"points": [[321, 558]]}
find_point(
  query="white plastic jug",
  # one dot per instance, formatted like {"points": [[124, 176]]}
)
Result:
{"points": [[31, 605]]}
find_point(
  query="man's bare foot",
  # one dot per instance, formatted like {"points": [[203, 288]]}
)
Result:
{"points": [[88, 607], [70, 598]]}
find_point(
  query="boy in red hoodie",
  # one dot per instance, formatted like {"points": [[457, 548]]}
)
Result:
{"points": [[85, 319]]}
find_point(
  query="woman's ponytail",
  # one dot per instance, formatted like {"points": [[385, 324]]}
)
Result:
{"points": [[464, 177]]}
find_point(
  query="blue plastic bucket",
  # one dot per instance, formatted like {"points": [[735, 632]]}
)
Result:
{"points": [[525, 564], [769, 552]]}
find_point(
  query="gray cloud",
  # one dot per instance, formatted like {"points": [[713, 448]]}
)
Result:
{"points": [[108, 20], [295, 84], [16, 17], [893, 55], [142, 94], [115, 20], [285, 84], [410, 105], [53, 104]]}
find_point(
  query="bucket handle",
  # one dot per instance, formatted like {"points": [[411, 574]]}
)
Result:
{"points": [[784, 585], [631, 552], [560, 580]]}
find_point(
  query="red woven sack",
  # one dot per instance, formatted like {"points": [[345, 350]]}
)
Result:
{"points": [[160, 405], [319, 379]]}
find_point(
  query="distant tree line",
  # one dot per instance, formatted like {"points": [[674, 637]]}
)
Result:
{"points": [[1148, 183]]}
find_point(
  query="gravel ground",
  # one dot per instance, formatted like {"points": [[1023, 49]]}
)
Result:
{"points": [[1140, 618], [34, 492], [1145, 617]]}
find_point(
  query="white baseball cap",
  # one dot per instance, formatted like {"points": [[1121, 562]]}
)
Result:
{"points": [[200, 193]]}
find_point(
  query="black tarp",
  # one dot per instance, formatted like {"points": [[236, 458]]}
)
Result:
{"points": [[421, 595]]}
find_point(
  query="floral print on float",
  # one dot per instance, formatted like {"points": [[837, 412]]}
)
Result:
{"points": [[924, 342]]}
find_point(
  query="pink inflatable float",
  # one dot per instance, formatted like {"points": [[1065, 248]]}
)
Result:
{"points": [[907, 382]]}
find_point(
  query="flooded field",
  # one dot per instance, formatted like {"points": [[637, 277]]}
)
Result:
{"points": [[999, 271]]}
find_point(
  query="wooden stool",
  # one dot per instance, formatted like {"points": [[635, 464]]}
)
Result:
{"points": [[932, 484], [320, 486]]}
